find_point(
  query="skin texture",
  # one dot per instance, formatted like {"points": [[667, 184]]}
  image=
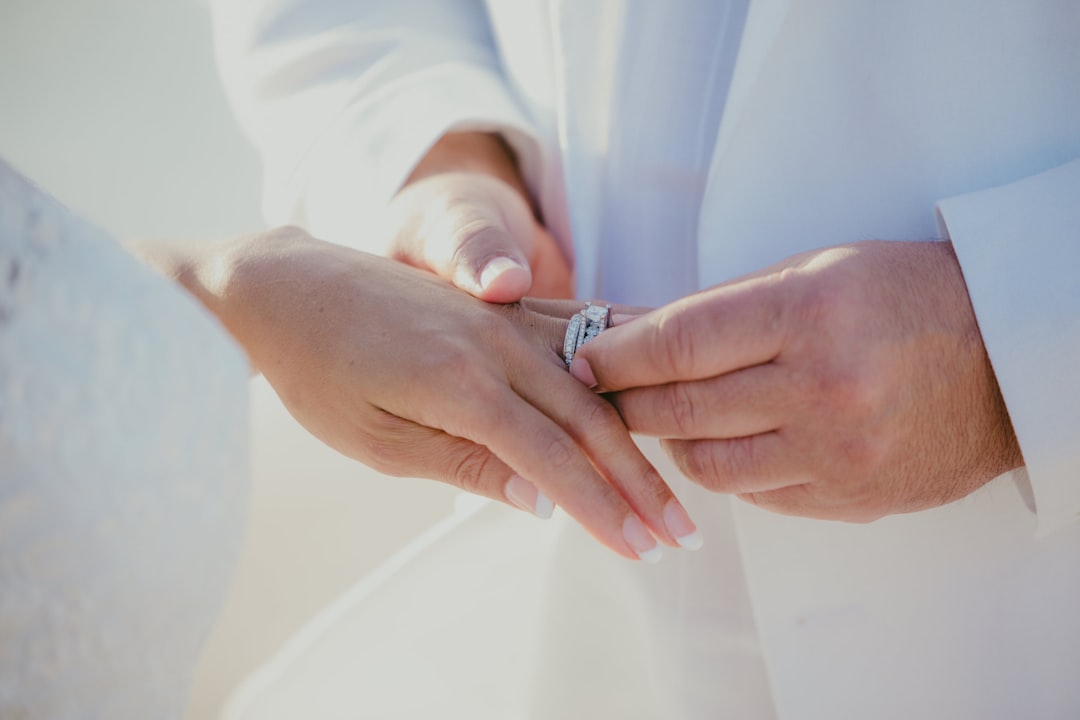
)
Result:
{"points": [[392, 366], [845, 383], [465, 215]]}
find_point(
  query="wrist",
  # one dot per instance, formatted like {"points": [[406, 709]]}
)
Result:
{"points": [[227, 276], [190, 265]]}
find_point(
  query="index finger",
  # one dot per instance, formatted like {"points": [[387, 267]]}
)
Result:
{"points": [[542, 452], [713, 332]]}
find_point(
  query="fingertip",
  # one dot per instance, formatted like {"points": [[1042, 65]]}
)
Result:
{"points": [[681, 527], [596, 363], [504, 279], [523, 495], [640, 540], [582, 371]]}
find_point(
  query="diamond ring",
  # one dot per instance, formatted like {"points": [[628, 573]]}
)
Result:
{"points": [[584, 326]]}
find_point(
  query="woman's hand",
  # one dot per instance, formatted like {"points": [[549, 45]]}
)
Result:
{"points": [[391, 366]]}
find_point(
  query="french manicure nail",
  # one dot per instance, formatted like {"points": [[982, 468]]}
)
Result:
{"points": [[641, 540], [523, 494], [681, 527], [496, 267], [544, 508], [582, 372]]}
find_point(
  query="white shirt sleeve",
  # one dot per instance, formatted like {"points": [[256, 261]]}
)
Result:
{"points": [[1019, 247], [343, 97]]}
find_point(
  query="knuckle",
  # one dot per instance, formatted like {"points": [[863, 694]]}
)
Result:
{"points": [[682, 406], [792, 500], [600, 418], [828, 303], [744, 459], [469, 470], [733, 466], [676, 342], [608, 435], [381, 457], [561, 456], [471, 242], [819, 306], [784, 310], [865, 453], [864, 514], [449, 359], [387, 445], [473, 383], [513, 325], [860, 391], [754, 498], [698, 461], [653, 487]]}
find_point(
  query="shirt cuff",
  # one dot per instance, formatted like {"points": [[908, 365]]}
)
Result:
{"points": [[1019, 248]]}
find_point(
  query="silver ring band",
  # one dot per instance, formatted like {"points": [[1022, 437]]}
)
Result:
{"points": [[584, 326]]}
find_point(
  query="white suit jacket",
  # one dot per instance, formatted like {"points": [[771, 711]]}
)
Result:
{"points": [[843, 121]]}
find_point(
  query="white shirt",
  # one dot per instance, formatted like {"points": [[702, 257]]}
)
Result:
{"points": [[815, 124]]}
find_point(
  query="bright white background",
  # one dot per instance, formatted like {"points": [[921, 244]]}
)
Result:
{"points": [[114, 106]]}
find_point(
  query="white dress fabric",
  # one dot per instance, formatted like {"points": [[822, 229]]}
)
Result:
{"points": [[675, 145], [123, 466]]}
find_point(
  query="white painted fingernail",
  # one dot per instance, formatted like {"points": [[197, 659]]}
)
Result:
{"points": [[641, 541], [693, 541], [544, 507], [523, 494], [681, 527]]}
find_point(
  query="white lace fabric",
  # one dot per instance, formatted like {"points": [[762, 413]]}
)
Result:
{"points": [[123, 471]]}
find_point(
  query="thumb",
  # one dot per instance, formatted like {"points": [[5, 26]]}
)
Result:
{"points": [[472, 230], [713, 332], [488, 262]]}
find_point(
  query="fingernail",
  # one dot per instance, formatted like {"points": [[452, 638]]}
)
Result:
{"points": [[581, 371], [496, 267], [523, 494], [622, 319], [641, 540], [544, 507], [681, 527]]}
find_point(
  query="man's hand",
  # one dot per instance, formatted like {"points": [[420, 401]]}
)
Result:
{"points": [[393, 367], [847, 383], [464, 215]]}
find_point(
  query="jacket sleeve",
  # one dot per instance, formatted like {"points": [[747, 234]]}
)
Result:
{"points": [[343, 97], [1019, 248]]}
